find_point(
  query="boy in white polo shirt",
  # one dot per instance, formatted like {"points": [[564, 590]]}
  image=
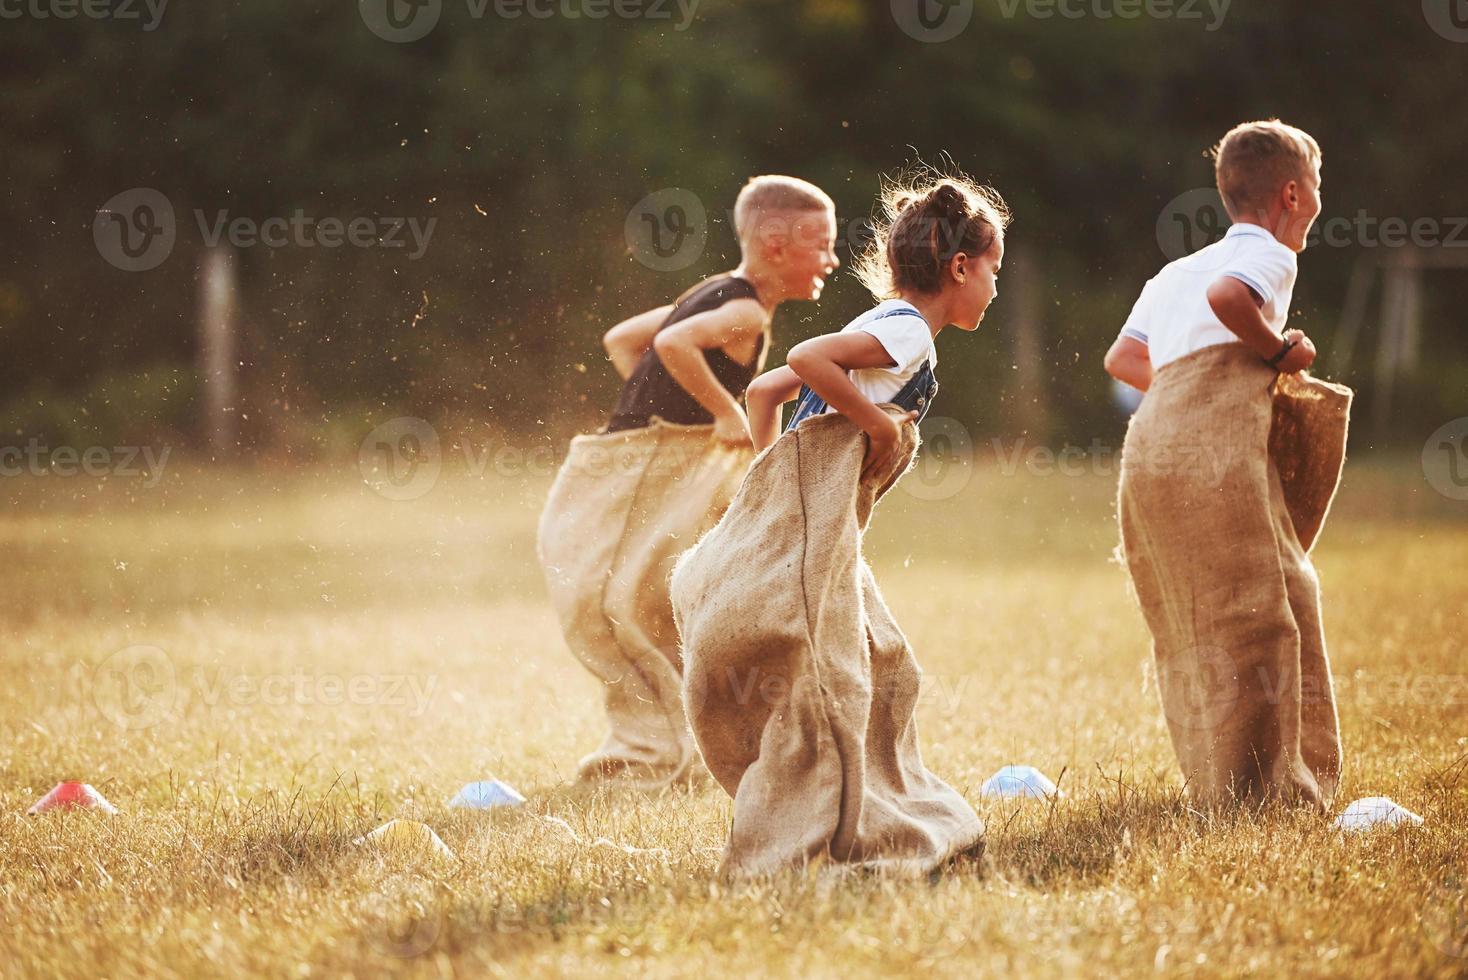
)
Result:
{"points": [[1215, 540]]}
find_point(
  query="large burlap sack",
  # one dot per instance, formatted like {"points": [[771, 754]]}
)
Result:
{"points": [[1228, 471], [1307, 443], [623, 507], [800, 687]]}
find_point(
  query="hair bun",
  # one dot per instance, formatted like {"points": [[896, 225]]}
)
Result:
{"points": [[928, 217], [947, 199]]}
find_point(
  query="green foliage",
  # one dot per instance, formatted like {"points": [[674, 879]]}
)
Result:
{"points": [[528, 140]]}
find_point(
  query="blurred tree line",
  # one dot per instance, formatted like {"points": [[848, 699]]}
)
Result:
{"points": [[528, 140]]}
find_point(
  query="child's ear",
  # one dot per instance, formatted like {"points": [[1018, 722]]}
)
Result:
{"points": [[1290, 195], [958, 268]]}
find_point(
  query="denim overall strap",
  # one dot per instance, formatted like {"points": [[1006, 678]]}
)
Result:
{"points": [[807, 404], [916, 395]]}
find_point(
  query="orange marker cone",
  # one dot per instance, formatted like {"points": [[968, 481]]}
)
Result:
{"points": [[73, 795]]}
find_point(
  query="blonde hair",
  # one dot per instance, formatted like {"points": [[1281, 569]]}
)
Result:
{"points": [[927, 218], [1255, 159], [773, 194]]}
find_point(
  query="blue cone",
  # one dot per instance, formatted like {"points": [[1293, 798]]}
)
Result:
{"points": [[1019, 781], [486, 795]]}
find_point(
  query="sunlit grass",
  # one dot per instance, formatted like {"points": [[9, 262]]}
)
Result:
{"points": [[337, 659]]}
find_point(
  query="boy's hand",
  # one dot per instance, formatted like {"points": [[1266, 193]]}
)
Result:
{"points": [[882, 441], [732, 429], [1301, 356]]}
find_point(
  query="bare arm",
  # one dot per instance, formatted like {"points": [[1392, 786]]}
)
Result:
{"points": [[680, 347], [629, 340], [1129, 362], [1236, 308], [822, 363], [765, 396]]}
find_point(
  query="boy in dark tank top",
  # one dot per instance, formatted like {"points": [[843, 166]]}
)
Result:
{"points": [[652, 392], [630, 499]]}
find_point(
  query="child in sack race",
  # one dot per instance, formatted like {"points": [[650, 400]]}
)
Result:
{"points": [[825, 765], [1219, 558], [629, 499]]}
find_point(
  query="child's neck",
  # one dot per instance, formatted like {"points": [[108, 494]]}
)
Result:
{"points": [[1271, 221], [765, 285], [934, 309]]}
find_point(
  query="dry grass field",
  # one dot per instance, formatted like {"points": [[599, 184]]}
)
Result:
{"points": [[256, 667]]}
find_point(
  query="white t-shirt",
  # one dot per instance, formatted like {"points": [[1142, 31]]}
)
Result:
{"points": [[1172, 316], [905, 336]]}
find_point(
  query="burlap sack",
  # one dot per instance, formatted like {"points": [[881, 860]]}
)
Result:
{"points": [[1225, 483], [621, 510], [799, 685]]}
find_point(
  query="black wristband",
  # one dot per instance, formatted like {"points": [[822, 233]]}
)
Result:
{"points": [[1289, 345]]}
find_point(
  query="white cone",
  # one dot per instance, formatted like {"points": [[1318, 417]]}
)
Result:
{"points": [[1375, 811], [407, 836]]}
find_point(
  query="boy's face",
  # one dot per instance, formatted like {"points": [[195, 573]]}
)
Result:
{"points": [[979, 285], [806, 253], [1300, 201]]}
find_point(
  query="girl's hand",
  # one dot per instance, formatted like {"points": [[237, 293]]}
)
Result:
{"points": [[1301, 356], [732, 429], [882, 441]]}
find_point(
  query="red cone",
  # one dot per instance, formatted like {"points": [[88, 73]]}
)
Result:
{"points": [[73, 795]]}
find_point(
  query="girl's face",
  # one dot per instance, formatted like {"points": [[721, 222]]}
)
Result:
{"points": [[976, 283]]}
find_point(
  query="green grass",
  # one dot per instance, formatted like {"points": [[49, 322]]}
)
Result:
{"points": [[243, 779]]}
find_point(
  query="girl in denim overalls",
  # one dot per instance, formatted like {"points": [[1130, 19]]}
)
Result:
{"points": [[800, 687], [935, 264]]}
